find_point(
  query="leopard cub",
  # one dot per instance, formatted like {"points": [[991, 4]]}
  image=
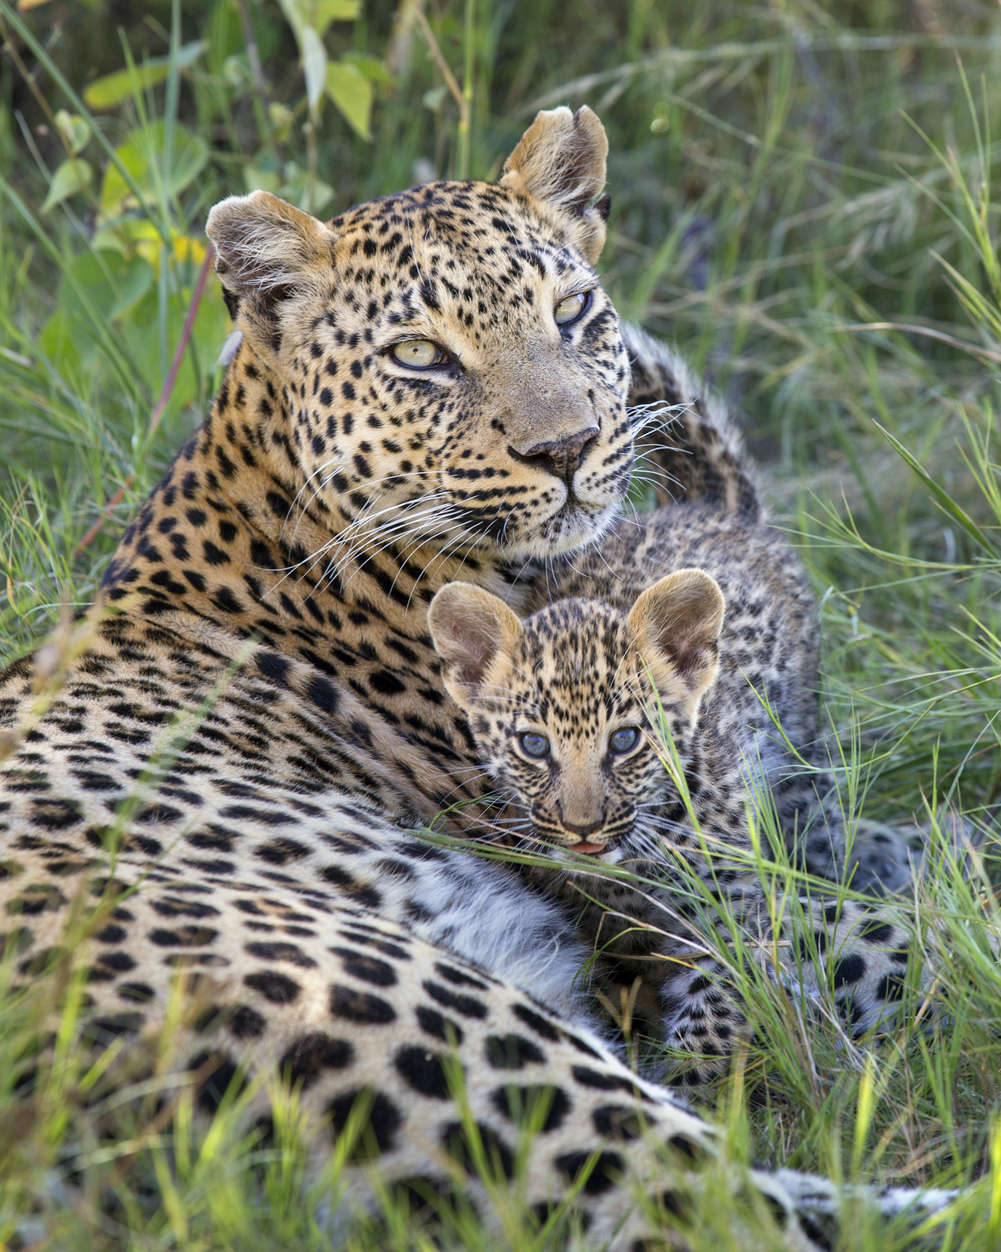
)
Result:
{"points": [[633, 739]]}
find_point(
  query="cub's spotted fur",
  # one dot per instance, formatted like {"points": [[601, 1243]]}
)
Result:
{"points": [[430, 385], [560, 705]]}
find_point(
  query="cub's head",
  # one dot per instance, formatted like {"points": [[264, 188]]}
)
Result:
{"points": [[559, 704], [444, 362]]}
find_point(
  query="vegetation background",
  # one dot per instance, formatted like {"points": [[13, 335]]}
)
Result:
{"points": [[803, 201]]}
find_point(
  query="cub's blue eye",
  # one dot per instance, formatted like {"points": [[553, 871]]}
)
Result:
{"points": [[624, 740], [534, 745]]}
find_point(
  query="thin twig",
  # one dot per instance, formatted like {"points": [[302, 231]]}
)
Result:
{"points": [[436, 55], [912, 328]]}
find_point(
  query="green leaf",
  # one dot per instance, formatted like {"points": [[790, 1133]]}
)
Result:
{"points": [[371, 67], [105, 281], [351, 91], [72, 176], [74, 130], [142, 155], [314, 65], [112, 89], [327, 11], [318, 14]]}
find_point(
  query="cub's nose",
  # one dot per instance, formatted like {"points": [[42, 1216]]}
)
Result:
{"points": [[559, 457], [581, 832]]}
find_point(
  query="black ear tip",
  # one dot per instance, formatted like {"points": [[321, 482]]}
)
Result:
{"points": [[603, 206]]}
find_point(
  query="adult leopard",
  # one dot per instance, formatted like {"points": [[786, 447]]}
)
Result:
{"points": [[198, 784]]}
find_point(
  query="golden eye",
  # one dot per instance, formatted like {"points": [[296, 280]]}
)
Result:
{"points": [[418, 354], [570, 308]]}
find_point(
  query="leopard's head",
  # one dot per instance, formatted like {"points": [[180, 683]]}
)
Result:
{"points": [[569, 707], [446, 365]]}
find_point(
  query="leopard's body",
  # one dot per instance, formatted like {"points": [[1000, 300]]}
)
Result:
{"points": [[432, 385], [571, 731]]}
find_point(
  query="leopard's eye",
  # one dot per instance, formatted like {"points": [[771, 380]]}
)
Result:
{"points": [[624, 740], [534, 745], [418, 354], [570, 308]]}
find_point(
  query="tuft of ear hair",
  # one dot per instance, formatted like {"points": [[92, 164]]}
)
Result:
{"points": [[469, 628], [678, 619], [560, 160], [263, 244]]}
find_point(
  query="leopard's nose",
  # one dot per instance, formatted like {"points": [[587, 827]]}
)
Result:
{"points": [[559, 457]]}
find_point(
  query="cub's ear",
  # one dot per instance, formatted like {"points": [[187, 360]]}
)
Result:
{"points": [[469, 628], [264, 245], [678, 620], [560, 160]]}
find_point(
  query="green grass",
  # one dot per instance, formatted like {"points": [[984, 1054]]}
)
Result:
{"points": [[802, 202]]}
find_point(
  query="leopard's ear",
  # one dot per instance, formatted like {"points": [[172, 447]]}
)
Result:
{"points": [[263, 243], [266, 252], [678, 620], [560, 160], [470, 628]]}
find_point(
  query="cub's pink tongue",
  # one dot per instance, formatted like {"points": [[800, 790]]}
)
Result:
{"points": [[588, 848]]}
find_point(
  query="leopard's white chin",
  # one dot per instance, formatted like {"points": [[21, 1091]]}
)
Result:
{"points": [[572, 526]]}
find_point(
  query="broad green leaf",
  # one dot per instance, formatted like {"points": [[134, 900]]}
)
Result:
{"points": [[318, 14], [96, 288], [327, 11], [314, 65], [371, 67], [72, 176], [112, 89], [142, 338], [106, 282], [351, 91], [74, 131], [142, 154]]}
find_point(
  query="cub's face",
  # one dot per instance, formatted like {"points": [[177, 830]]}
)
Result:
{"points": [[450, 367], [562, 729], [563, 705]]}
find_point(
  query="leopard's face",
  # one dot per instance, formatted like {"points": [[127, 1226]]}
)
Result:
{"points": [[451, 368]]}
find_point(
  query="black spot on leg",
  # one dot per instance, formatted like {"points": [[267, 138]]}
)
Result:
{"points": [[372, 1117], [360, 1006], [848, 970], [892, 985], [303, 1063], [424, 1071], [617, 1122], [541, 1025], [438, 1026], [511, 1051], [600, 1170], [538, 1105], [478, 1148], [273, 986], [468, 1006], [224, 1078], [367, 968]]}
